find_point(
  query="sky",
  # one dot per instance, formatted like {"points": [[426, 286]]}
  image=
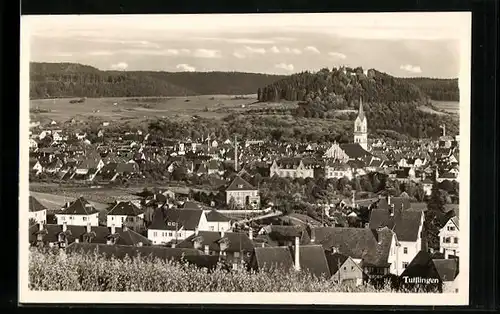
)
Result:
{"points": [[401, 44]]}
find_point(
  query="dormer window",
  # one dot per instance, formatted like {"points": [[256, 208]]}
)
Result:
{"points": [[240, 186]]}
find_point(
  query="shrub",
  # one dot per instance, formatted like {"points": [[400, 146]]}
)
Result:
{"points": [[53, 270]]}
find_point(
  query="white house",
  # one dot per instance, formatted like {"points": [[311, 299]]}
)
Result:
{"points": [[243, 194], [292, 168], [37, 211], [407, 223], [218, 222], [176, 225], [338, 170], [448, 237], [79, 213], [125, 213]]}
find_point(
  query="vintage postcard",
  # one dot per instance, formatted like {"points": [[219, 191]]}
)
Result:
{"points": [[217, 158]]}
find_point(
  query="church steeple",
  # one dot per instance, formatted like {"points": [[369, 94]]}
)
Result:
{"points": [[361, 113], [360, 127]]}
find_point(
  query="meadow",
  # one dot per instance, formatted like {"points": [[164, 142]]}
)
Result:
{"points": [[58, 271], [210, 106]]}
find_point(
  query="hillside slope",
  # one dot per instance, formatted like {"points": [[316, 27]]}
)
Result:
{"points": [[48, 80], [391, 104]]}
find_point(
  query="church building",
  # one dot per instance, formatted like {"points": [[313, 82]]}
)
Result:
{"points": [[352, 151]]}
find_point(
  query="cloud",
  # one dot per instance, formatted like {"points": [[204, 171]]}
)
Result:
{"points": [[411, 68], [207, 53], [119, 66], [312, 49], [284, 66], [101, 53], [239, 55], [255, 50], [286, 50], [275, 49], [185, 67], [337, 55]]}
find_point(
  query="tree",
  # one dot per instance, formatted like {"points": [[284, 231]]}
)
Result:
{"points": [[435, 211], [179, 173], [232, 203], [32, 222]]}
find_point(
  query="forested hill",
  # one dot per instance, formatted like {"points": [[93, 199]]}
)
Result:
{"points": [[48, 80], [437, 89], [391, 104]]}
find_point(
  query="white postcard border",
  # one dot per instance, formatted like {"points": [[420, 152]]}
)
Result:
{"points": [[460, 298]]}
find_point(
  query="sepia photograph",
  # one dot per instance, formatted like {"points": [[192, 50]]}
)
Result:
{"points": [[245, 159]]}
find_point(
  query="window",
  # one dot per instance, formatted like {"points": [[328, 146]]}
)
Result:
{"points": [[447, 240], [405, 264], [352, 267], [405, 250], [155, 234], [123, 219], [455, 240], [211, 228], [84, 218], [451, 228], [345, 268], [170, 234], [236, 254], [70, 217], [112, 218], [63, 218]]}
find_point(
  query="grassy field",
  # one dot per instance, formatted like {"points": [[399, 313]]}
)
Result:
{"points": [[140, 107], [448, 106], [56, 201]]}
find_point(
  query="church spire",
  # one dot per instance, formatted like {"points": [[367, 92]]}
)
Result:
{"points": [[361, 113]]}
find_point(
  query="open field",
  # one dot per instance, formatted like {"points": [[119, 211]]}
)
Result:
{"points": [[140, 107], [448, 106], [56, 201]]}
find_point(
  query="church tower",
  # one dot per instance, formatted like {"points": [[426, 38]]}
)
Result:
{"points": [[360, 128]]}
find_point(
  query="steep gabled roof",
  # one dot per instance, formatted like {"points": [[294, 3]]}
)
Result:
{"points": [[188, 219], [239, 184], [405, 223], [35, 205], [447, 268], [371, 246], [214, 215], [237, 242], [354, 150], [79, 207], [125, 208], [273, 257], [335, 261], [312, 258]]}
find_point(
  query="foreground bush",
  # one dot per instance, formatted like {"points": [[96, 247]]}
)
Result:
{"points": [[92, 272]]}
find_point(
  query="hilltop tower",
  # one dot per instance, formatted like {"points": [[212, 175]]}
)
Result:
{"points": [[360, 128]]}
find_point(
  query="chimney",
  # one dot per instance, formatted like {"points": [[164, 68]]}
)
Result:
{"points": [[139, 244], [389, 199], [64, 227], [235, 155], [124, 228], [207, 251], [446, 254], [313, 234], [113, 229], [89, 229], [196, 231], [77, 240], [250, 234], [173, 245], [297, 260], [391, 209], [222, 233], [263, 244], [40, 226]]}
